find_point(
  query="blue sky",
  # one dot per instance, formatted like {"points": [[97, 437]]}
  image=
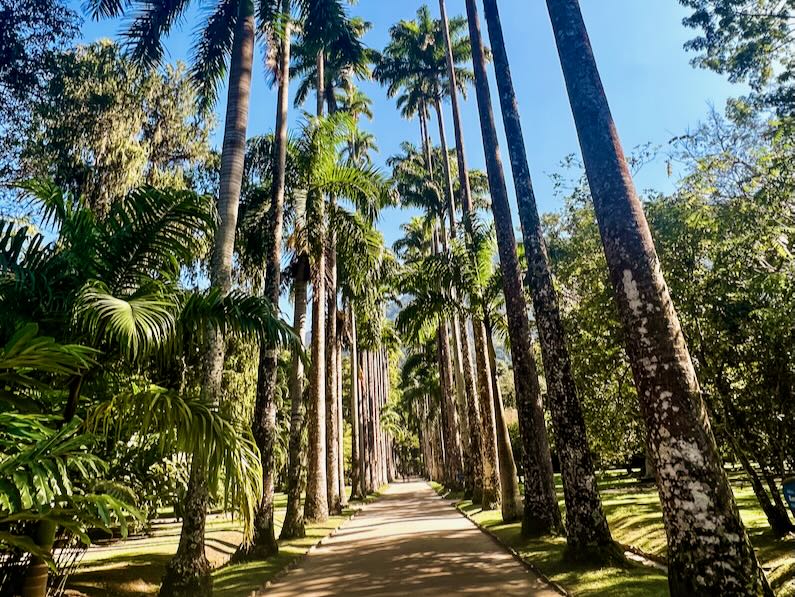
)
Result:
{"points": [[654, 92]]}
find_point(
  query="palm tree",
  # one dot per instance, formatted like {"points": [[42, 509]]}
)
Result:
{"points": [[320, 171], [329, 38], [423, 59], [264, 421], [541, 512], [113, 284], [230, 33], [587, 532], [709, 550]]}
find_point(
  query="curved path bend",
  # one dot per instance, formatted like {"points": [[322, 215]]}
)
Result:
{"points": [[409, 543]]}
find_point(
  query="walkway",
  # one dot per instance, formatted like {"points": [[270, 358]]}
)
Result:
{"points": [[409, 543]]}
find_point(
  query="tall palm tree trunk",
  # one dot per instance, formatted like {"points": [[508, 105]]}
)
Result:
{"points": [[541, 512], [356, 457], [476, 433], [469, 466], [264, 422], [709, 552], [455, 467], [587, 533], [316, 507], [332, 406], [466, 206], [511, 504], [340, 424], [188, 572], [491, 474], [293, 526], [372, 428]]}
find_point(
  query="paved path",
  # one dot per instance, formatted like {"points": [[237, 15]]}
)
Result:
{"points": [[409, 543]]}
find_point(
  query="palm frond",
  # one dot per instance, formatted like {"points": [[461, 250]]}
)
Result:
{"points": [[212, 50]]}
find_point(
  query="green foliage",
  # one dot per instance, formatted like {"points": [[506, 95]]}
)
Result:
{"points": [[750, 41], [48, 471], [30, 31], [103, 127], [414, 63]]}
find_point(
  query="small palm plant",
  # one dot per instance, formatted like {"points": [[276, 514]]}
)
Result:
{"points": [[113, 285]]}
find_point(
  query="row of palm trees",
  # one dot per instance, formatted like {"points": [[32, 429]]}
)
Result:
{"points": [[328, 54], [709, 549]]}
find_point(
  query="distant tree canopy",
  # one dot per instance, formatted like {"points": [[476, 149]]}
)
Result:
{"points": [[30, 31], [103, 126], [749, 40]]}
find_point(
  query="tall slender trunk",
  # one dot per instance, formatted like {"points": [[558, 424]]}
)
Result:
{"points": [[372, 428], [316, 507], [455, 468], [777, 517], [332, 412], [264, 422], [709, 552], [511, 504], [293, 526], [491, 488], [476, 439], [356, 465], [340, 424], [541, 512], [188, 572], [460, 389], [587, 533], [476, 433]]}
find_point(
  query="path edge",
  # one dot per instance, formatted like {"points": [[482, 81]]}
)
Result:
{"points": [[516, 555], [298, 560]]}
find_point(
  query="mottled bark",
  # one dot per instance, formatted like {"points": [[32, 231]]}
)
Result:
{"points": [[340, 424], [511, 504], [541, 512], [264, 423], [587, 533], [316, 504], [356, 465], [293, 526], [332, 413], [490, 496], [709, 552], [188, 572]]}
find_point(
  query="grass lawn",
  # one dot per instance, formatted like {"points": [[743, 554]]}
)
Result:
{"points": [[633, 511], [134, 567]]}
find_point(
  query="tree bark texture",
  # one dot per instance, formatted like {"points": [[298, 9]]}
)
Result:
{"points": [[709, 552]]}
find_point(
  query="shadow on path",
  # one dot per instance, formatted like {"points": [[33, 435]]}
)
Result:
{"points": [[409, 542]]}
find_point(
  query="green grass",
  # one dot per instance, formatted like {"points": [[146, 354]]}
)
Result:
{"points": [[633, 511], [133, 568]]}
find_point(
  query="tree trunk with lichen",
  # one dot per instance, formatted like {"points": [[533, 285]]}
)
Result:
{"points": [[541, 512], [491, 483], [188, 572], [332, 406], [709, 552], [316, 503], [587, 533], [511, 504], [263, 425], [293, 526]]}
